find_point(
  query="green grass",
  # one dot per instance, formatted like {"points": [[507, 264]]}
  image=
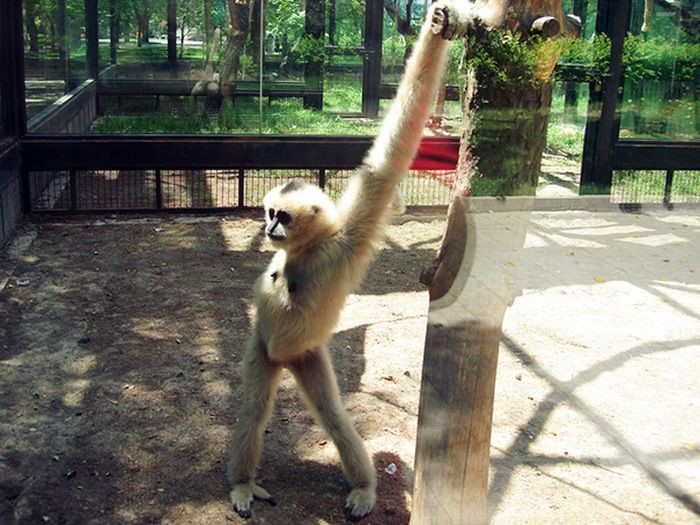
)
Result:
{"points": [[284, 117]]}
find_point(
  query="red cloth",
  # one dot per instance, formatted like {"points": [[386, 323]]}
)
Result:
{"points": [[437, 154]]}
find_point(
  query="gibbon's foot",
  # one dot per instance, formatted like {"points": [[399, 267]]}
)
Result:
{"points": [[360, 502], [243, 494]]}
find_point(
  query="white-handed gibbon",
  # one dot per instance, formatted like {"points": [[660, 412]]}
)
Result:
{"points": [[322, 253]]}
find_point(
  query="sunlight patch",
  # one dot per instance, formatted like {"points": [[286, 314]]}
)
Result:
{"points": [[656, 240]]}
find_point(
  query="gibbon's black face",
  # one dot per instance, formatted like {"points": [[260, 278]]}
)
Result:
{"points": [[296, 213], [278, 220]]}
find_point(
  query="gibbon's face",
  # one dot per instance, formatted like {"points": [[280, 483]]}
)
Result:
{"points": [[296, 213]]}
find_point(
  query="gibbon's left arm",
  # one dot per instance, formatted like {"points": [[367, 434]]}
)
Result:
{"points": [[364, 205]]}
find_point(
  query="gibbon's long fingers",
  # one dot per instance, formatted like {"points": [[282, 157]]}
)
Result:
{"points": [[317, 383], [402, 128], [242, 496], [260, 380]]}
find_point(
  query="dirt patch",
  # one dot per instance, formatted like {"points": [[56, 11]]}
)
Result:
{"points": [[120, 353], [120, 346]]}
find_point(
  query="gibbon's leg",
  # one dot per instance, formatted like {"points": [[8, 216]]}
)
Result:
{"points": [[317, 382], [260, 380]]}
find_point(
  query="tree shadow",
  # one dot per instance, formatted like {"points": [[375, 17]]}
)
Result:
{"points": [[564, 391]]}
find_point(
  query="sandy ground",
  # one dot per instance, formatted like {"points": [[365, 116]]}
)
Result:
{"points": [[121, 340]]}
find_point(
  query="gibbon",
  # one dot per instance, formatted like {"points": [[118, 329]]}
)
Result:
{"points": [[322, 253]]}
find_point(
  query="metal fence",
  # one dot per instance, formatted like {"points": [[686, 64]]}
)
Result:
{"points": [[193, 190]]}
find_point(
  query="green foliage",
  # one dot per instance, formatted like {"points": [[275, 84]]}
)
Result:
{"points": [[660, 59], [594, 53], [642, 58], [151, 123], [311, 49], [504, 59]]}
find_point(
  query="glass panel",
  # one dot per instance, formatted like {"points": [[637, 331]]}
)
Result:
{"points": [[312, 72], [55, 63], [662, 60]]}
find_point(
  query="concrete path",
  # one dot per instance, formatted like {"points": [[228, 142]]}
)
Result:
{"points": [[597, 416]]}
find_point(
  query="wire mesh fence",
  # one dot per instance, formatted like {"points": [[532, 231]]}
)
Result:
{"points": [[155, 190]]}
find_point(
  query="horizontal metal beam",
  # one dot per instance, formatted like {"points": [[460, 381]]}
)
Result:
{"points": [[63, 152], [656, 155]]}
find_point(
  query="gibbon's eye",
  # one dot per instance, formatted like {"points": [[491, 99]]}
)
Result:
{"points": [[284, 218], [271, 213]]}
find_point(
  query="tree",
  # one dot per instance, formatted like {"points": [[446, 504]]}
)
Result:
{"points": [[238, 11], [143, 9], [513, 68], [467, 283], [190, 17], [30, 16]]}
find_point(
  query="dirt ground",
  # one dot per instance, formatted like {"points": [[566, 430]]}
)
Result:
{"points": [[120, 349]]}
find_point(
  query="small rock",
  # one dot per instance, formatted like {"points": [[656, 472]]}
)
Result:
{"points": [[519, 377], [391, 469], [70, 474]]}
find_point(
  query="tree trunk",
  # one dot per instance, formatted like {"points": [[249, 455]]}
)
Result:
{"points": [[113, 31], [208, 26], [255, 36], [238, 15], [511, 131], [470, 280], [30, 8], [511, 134], [313, 69], [143, 22]]}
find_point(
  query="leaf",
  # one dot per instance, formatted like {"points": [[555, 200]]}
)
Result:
{"points": [[599, 279]]}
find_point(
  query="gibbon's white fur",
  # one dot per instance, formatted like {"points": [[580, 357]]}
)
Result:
{"points": [[322, 253]]}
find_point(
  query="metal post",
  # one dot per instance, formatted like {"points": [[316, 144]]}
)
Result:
{"points": [[13, 111], [241, 188], [602, 133], [372, 63], [159, 190], [73, 183], [667, 189]]}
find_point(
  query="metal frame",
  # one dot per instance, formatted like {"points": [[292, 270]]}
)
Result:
{"points": [[14, 115], [603, 152]]}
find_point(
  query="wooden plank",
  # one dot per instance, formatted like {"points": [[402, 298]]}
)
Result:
{"points": [[470, 291]]}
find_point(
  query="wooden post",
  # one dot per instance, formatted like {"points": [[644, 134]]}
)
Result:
{"points": [[470, 285]]}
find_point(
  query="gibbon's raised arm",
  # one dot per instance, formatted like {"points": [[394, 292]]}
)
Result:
{"points": [[363, 206]]}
